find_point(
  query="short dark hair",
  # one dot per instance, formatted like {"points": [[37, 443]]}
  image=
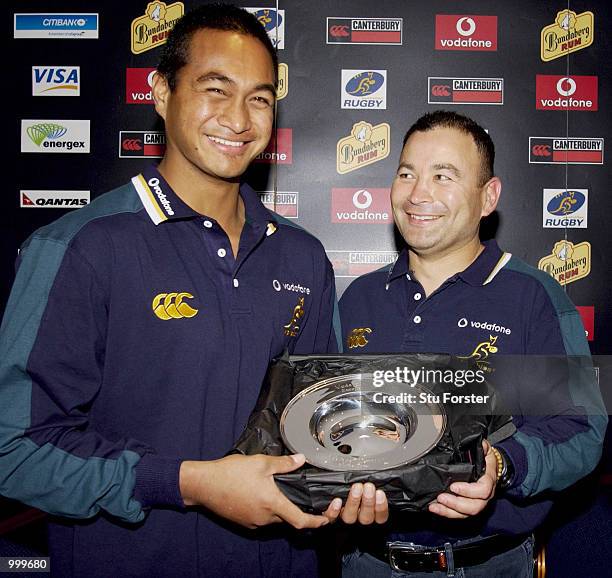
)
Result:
{"points": [[448, 119], [213, 17]]}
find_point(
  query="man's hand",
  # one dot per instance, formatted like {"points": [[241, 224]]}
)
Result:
{"points": [[364, 504], [242, 489], [469, 499]]}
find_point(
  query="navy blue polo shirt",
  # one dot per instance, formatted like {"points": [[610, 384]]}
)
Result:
{"points": [[497, 306], [134, 339]]}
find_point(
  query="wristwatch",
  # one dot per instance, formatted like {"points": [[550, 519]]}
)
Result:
{"points": [[505, 469]]}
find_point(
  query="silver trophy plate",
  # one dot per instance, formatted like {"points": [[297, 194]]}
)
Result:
{"points": [[346, 423]]}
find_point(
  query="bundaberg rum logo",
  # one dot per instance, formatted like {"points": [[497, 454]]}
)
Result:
{"points": [[568, 261], [365, 145], [283, 81], [168, 306], [570, 32], [152, 29]]}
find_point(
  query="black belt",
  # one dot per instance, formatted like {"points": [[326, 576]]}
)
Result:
{"points": [[408, 557]]}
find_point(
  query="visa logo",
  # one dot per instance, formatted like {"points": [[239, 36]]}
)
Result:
{"points": [[56, 81]]}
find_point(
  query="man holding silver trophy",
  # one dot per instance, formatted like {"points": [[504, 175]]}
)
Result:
{"points": [[450, 293]]}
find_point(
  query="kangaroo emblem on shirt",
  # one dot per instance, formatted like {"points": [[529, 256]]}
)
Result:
{"points": [[485, 348], [292, 328]]}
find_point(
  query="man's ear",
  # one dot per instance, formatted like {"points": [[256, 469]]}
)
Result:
{"points": [[491, 193], [161, 94]]}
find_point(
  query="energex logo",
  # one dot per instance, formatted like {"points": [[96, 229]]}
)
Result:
{"points": [[565, 208], [31, 199], [56, 81], [364, 89], [55, 136], [562, 150], [457, 32], [361, 206], [138, 84], [566, 92]]}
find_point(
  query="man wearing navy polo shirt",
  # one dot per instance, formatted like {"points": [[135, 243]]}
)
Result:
{"points": [[139, 330], [448, 292]]}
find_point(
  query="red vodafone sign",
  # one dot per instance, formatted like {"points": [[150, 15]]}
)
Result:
{"points": [[466, 32], [566, 92]]}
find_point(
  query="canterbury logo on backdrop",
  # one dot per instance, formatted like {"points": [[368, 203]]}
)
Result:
{"points": [[171, 306]]}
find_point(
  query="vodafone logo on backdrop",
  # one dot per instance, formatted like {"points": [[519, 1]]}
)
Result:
{"points": [[361, 206], [466, 32], [138, 84], [566, 92]]}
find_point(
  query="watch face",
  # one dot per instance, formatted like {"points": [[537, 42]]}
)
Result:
{"points": [[346, 423]]}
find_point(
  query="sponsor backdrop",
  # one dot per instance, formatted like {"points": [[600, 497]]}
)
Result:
{"points": [[353, 77]]}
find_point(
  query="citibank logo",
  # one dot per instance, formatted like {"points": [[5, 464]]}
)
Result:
{"points": [[172, 306]]}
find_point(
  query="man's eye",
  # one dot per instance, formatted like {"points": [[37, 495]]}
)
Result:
{"points": [[443, 178], [404, 175], [262, 100], [215, 90]]}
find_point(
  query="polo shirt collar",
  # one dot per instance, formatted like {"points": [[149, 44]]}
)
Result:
{"points": [[486, 266], [158, 198], [163, 204], [482, 271]]}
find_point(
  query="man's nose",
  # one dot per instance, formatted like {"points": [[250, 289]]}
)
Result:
{"points": [[235, 116], [421, 192]]}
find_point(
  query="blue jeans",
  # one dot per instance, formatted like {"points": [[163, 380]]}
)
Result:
{"points": [[515, 563]]}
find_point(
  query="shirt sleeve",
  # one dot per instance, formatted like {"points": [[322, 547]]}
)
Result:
{"points": [[560, 433], [52, 344]]}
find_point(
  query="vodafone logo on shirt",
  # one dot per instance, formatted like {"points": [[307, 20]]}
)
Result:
{"points": [[138, 84], [463, 32], [566, 92]]}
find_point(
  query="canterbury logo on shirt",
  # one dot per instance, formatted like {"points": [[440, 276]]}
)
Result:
{"points": [[172, 306]]}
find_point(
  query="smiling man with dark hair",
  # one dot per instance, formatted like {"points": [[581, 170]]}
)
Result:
{"points": [[140, 328], [449, 293]]}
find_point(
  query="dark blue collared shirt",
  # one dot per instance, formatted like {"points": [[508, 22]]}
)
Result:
{"points": [[134, 339], [497, 306]]}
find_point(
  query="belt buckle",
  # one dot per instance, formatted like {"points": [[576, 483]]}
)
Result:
{"points": [[410, 557]]}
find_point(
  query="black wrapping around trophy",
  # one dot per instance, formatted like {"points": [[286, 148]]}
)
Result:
{"points": [[410, 423]]}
